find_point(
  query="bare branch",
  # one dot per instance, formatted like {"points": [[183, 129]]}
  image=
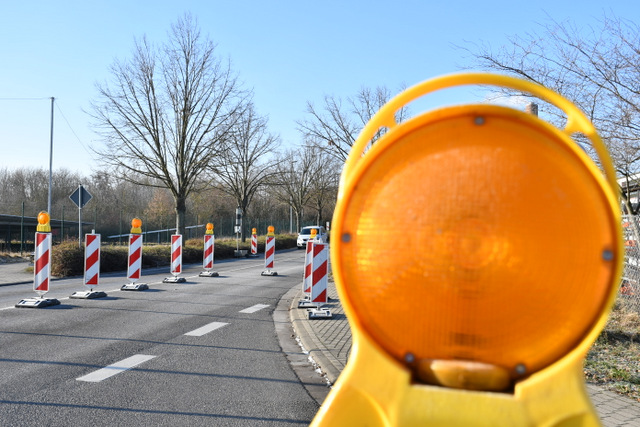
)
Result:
{"points": [[167, 112]]}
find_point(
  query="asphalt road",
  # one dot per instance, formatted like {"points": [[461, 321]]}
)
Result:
{"points": [[204, 352]]}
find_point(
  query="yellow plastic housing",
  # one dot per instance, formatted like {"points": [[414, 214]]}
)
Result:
{"points": [[476, 244], [136, 226], [44, 222]]}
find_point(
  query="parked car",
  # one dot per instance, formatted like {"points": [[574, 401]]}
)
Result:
{"points": [[305, 233]]}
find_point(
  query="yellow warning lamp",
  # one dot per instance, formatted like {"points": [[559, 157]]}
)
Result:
{"points": [[314, 232], [44, 223], [271, 230], [209, 228], [254, 231], [478, 257], [136, 226]]}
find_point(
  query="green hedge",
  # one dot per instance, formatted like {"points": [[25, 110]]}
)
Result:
{"points": [[67, 259]]}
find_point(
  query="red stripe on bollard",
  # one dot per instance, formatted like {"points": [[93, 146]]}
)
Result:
{"points": [[44, 286], [42, 262]]}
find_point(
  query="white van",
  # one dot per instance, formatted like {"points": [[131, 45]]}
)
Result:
{"points": [[305, 233]]}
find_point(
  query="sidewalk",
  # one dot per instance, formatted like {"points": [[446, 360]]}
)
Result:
{"points": [[12, 273], [328, 342]]}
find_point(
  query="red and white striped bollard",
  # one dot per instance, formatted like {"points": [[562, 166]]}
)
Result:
{"points": [[134, 269], [319, 270], [207, 254], [269, 252], [306, 272], [91, 267], [91, 260], [135, 257], [176, 260], [319, 274], [42, 265], [305, 302], [308, 256], [254, 242]]}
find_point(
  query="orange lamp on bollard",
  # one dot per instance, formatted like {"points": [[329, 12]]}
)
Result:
{"points": [[136, 226], [485, 317], [44, 222]]}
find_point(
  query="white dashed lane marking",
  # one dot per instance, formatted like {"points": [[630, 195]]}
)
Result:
{"points": [[254, 308], [206, 329], [116, 368]]}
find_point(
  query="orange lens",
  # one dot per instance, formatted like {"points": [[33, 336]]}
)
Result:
{"points": [[43, 218], [136, 223], [476, 233]]}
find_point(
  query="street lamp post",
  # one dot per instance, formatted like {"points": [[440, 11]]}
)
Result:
{"points": [[50, 160]]}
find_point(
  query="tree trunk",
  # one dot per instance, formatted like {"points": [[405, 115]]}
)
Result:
{"points": [[181, 209], [297, 219]]}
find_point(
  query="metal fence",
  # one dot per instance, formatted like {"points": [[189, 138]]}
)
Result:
{"points": [[630, 285], [223, 227]]}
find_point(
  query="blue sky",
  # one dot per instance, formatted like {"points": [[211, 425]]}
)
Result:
{"points": [[288, 52]]}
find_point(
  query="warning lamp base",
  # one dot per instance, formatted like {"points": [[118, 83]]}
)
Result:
{"points": [[174, 279], [319, 313], [209, 274], [88, 295], [306, 303], [269, 273], [135, 287], [37, 302]]}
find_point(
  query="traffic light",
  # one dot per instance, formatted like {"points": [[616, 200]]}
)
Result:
{"points": [[477, 255]]}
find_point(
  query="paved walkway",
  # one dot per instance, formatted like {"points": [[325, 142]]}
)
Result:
{"points": [[12, 273], [328, 341]]}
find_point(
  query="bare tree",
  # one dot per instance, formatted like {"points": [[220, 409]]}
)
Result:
{"points": [[167, 113], [29, 185], [295, 178], [248, 162], [324, 186], [335, 127], [596, 68]]}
